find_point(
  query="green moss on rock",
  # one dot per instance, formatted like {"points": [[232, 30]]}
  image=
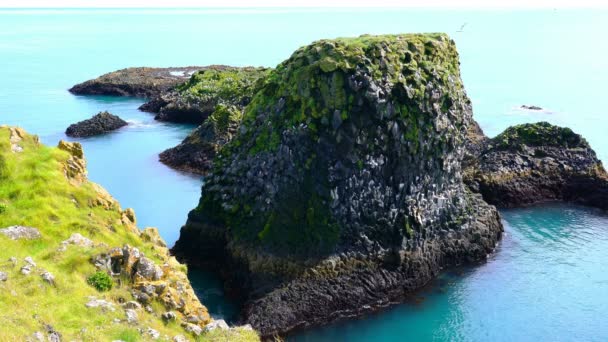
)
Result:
{"points": [[538, 134], [333, 100]]}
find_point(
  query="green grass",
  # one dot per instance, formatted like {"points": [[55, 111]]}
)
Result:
{"points": [[35, 192]]}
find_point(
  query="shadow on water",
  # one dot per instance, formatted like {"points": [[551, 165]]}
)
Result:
{"points": [[210, 291]]}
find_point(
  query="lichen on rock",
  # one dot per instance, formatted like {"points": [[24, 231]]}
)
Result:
{"points": [[344, 180]]}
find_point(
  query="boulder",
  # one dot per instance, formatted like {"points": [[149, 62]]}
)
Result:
{"points": [[131, 316], [3, 276], [48, 277], [21, 232], [217, 324], [77, 240], [100, 303], [101, 123]]}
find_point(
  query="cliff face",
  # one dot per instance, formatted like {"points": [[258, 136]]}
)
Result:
{"points": [[216, 98], [343, 190], [74, 266], [537, 162]]}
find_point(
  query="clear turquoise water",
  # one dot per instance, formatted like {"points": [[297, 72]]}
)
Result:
{"points": [[547, 281]]}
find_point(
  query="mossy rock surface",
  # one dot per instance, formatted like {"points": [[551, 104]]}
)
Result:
{"points": [[196, 99], [538, 134], [335, 116]]}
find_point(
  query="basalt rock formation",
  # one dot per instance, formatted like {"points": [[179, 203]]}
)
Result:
{"points": [[532, 163], [193, 101], [342, 191], [101, 123], [195, 154], [216, 97], [139, 82]]}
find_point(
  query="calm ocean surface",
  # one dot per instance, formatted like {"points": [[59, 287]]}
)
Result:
{"points": [[549, 277]]}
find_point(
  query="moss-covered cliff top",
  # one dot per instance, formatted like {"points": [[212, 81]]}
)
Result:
{"points": [[538, 134], [312, 80], [45, 189], [228, 85]]}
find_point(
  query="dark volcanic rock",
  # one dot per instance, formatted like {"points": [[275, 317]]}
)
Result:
{"points": [[195, 154], [342, 191], [140, 82], [195, 100], [538, 162], [101, 123], [531, 107]]}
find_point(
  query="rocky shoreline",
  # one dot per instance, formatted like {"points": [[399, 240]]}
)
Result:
{"points": [[138, 82], [352, 174]]}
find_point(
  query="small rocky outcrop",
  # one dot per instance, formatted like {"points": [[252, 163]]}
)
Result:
{"points": [[531, 107], [195, 100], [140, 82], [75, 167], [101, 123], [21, 232], [150, 282], [195, 154], [342, 191], [538, 162]]}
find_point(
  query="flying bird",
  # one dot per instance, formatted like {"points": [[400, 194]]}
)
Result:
{"points": [[462, 27]]}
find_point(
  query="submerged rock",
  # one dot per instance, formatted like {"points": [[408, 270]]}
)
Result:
{"points": [[538, 162], [342, 191], [141, 82], [531, 107], [21, 232], [101, 123]]}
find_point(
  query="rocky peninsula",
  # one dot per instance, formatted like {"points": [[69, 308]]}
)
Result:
{"points": [[139, 82], [343, 190], [74, 265], [101, 123]]}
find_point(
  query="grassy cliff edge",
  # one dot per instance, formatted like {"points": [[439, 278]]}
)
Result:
{"points": [[45, 277]]}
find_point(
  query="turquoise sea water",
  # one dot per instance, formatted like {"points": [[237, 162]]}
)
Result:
{"points": [[548, 279]]}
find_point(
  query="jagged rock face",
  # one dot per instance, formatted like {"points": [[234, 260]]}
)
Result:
{"points": [[75, 167], [195, 100], [195, 154], [538, 162], [101, 123], [343, 189], [141, 82], [344, 141]]}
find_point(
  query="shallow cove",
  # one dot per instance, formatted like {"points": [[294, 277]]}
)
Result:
{"points": [[548, 277]]}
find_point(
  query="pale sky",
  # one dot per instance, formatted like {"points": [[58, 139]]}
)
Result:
{"points": [[311, 3]]}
